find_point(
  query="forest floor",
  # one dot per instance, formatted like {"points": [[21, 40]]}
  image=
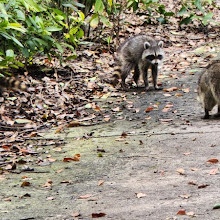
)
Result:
{"points": [[110, 154]]}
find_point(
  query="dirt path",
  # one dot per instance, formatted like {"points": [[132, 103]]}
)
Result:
{"points": [[144, 166]]}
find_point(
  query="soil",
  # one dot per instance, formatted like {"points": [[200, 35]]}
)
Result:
{"points": [[159, 164]]}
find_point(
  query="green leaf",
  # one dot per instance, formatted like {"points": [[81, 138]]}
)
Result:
{"points": [[182, 11], [94, 21], [12, 98], [216, 206], [70, 6], [110, 3], [16, 26], [80, 33], [77, 4], [53, 28], [3, 11], [187, 20], [207, 18], [59, 47], [99, 6], [20, 15], [198, 5], [10, 53], [23, 121], [105, 21]]}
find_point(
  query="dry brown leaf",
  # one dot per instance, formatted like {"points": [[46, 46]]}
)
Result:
{"points": [[212, 160], [150, 108], [213, 171], [171, 89], [85, 196], [181, 212], [101, 182], [181, 171], [25, 183], [98, 215]]}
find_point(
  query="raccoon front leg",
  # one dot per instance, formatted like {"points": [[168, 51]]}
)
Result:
{"points": [[136, 74], [154, 75], [143, 69]]}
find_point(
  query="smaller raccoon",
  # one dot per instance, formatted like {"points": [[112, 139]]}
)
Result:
{"points": [[11, 83], [140, 53], [209, 88]]}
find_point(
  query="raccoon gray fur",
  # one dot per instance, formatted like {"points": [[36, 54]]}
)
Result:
{"points": [[209, 88], [140, 53], [11, 83]]}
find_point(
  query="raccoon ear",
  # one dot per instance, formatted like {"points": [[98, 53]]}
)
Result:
{"points": [[146, 45], [160, 43]]}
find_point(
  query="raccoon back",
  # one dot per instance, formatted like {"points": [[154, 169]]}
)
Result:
{"points": [[133, 48], [209, 83]]}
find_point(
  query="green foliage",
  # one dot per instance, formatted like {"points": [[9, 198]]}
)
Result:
{"points": [[196, 10], [27, 28]]}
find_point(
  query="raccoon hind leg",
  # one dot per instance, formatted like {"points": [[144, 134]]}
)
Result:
{"points": [[209, 102], [125, 70]]}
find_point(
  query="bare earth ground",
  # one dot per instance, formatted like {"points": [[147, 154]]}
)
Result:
{"points": [[145, 166]]}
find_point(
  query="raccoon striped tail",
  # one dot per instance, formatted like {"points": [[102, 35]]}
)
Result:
{"points": [[116, 76], [11, 83]]}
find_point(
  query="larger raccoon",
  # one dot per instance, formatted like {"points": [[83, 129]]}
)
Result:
{"points": [[11, 83], [140, 53], [209, 88]]}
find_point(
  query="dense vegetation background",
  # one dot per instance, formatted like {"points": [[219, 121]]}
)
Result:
{"points": [[30, 28]]}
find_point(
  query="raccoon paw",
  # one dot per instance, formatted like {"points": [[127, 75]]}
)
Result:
{"points": [[217, 115], [158, 88], [205, 117]]}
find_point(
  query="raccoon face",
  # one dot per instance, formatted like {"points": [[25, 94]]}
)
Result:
{"points": [[153, 53]]}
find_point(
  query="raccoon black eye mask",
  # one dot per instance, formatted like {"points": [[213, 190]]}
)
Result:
{"points": [[153, 57]]}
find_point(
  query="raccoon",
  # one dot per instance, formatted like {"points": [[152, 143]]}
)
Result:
{"points": [[11, 83], [209, 88], [140, 53]]}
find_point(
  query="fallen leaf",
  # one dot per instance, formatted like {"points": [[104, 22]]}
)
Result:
{"points": [[171, 89], [178, 94], [25, 183], [203, 186], [187, 153], [85, 196], [98, 215], [75, 158], [185, 196], [59, 171], [48, 184], [75, 214], [181, 171], [124, 134], [141, 195], [192, 183], [181, 212], [213, 161], [190, 213], [213, 171], [150, 108], [101, 182], [74, 124], [216, 206], [186, 90]]}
